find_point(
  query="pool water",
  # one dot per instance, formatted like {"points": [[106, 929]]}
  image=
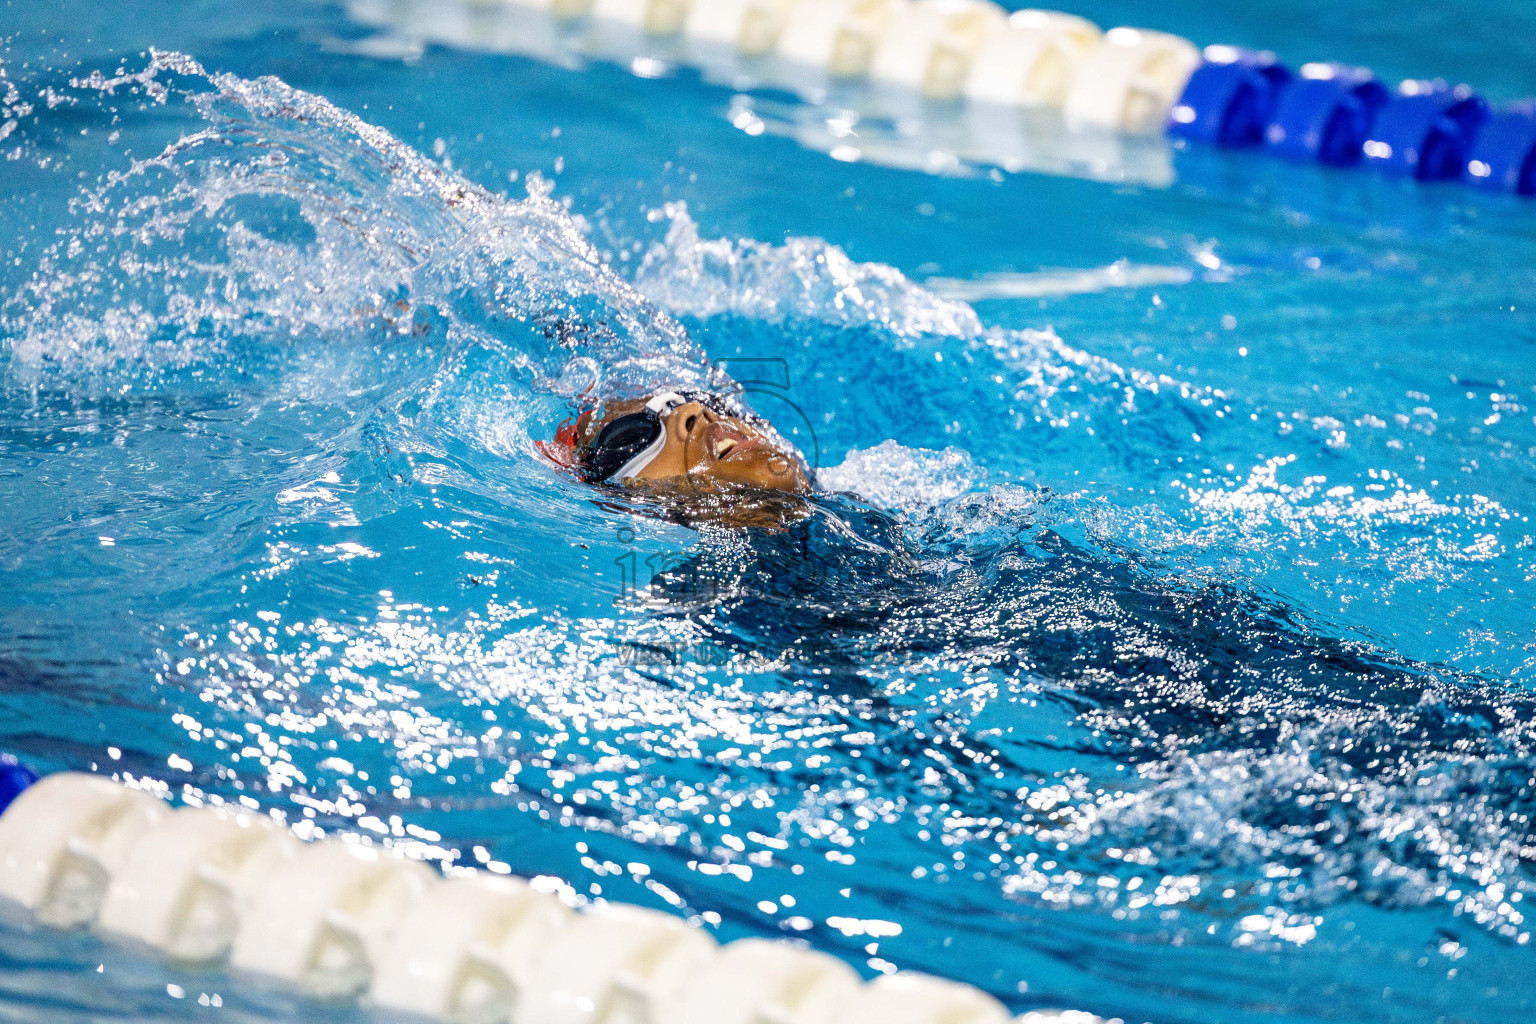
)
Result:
{"points": [[1162, 646]]}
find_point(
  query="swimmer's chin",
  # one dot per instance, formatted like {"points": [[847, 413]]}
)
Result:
{"points": [[694, 502]]}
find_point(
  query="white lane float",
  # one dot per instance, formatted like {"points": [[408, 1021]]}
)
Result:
{"points": [[324, 917], [558, 8], [64, 838], [919, 999], [182, 886], [650, 17], [1033, 62], [753, 981], [615, 965], [932, 44], [839, 37], [344, 920], [842, 57], [751, 28], [464, 952], [545, 35], [1131, 81]]}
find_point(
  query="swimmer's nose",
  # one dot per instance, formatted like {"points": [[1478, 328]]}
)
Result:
{"points": [[690, 420]]}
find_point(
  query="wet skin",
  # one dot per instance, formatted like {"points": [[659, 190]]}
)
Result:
{"points": [[705, 448]]}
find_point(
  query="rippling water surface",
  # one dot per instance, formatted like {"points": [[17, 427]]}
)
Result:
{"points": [[1161, 646]]}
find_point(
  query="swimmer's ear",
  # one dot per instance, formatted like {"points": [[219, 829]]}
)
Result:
{"points": [[561, 456], [561, 452]]}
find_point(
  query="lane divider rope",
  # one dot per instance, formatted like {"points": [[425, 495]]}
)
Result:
{"points": [[1127, 81], [207, 886]]}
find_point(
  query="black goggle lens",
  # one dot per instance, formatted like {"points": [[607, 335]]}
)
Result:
{"points": [[628, 436], [621, 441]]}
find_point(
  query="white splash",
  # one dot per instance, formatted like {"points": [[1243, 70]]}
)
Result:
{"points": [[895, 476], [1045, 284], [805, 277]]}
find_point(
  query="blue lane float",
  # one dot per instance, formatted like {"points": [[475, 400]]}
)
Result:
{"points": [[14, 778], [1341, 116], [1230, 99], [1504, 155], [1426, 131], [1325, 114]]}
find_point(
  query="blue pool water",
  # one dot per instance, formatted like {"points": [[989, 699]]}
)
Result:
{"points": [[1166, 650]]}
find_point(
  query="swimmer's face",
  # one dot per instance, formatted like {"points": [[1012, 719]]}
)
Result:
{"points": [[702, 448]]}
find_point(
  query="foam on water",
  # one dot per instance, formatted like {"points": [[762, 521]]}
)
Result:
{"points": [[895, 476], [1015, 708], [320, 222], [1042, 284]]}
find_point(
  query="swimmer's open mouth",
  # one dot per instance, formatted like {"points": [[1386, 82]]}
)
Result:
{"points": [[728, 443]]}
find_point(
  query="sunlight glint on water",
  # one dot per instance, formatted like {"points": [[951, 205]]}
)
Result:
{"points": [[1139, 684]]}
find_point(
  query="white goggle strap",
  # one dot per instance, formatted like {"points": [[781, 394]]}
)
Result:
{"points": [[660, 405]]}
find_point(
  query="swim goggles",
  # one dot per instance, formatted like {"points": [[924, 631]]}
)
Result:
{"points": [[627, 445]]}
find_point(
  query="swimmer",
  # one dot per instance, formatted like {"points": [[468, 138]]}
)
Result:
{"points": [[678, 443]]}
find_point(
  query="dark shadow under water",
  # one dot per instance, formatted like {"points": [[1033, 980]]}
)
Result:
{"points": [[1161, 673]]}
